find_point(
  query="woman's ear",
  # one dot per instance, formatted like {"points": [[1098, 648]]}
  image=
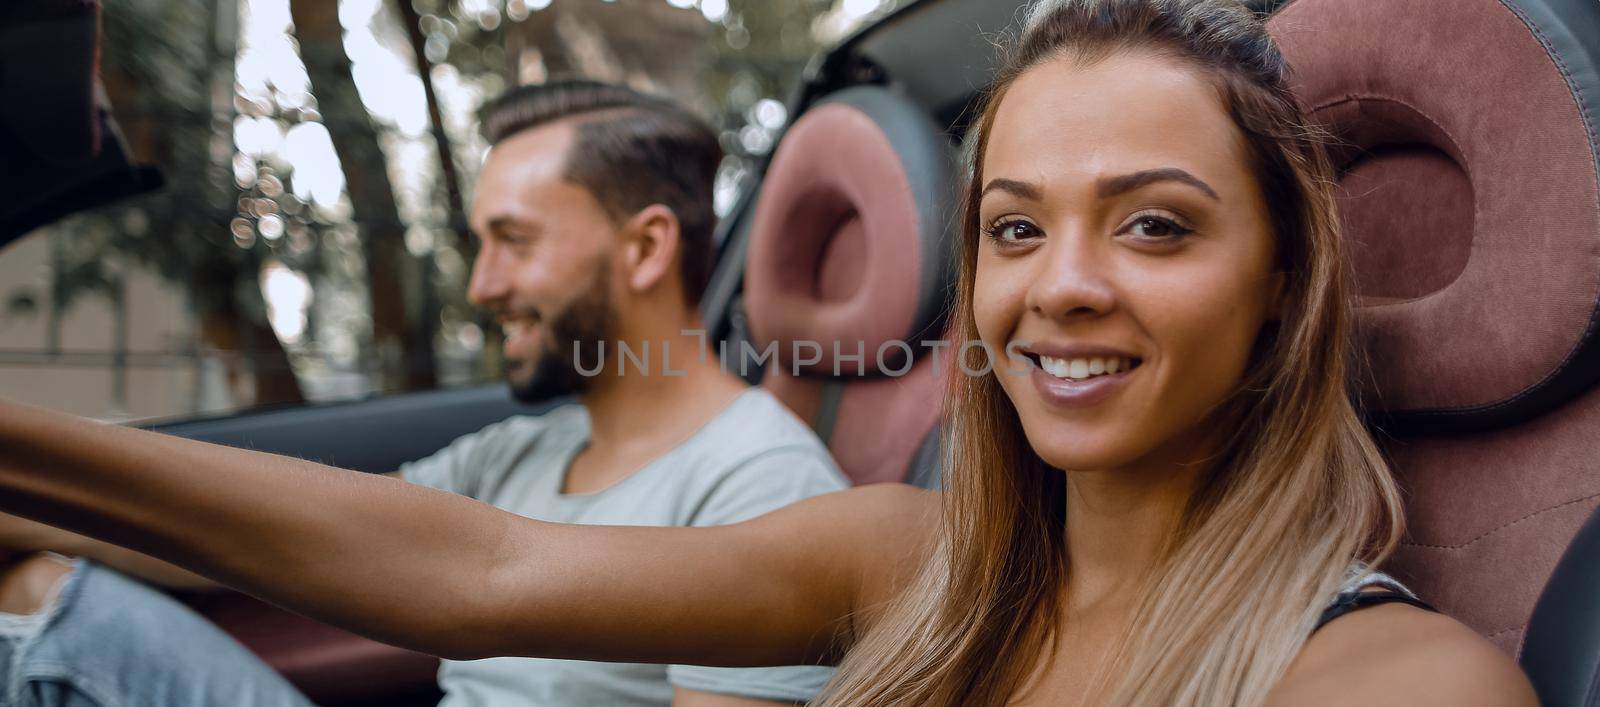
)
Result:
{"points": [[650, 241]]}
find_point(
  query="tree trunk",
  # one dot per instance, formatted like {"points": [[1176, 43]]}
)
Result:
{"points": [[403, 339], [441, 140], [160, 130], [259, 356]]}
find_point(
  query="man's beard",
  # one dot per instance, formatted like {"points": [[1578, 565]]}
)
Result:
{"points": [[581, 327]]}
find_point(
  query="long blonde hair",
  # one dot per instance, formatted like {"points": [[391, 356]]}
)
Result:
{"points": [[1300, 493]]}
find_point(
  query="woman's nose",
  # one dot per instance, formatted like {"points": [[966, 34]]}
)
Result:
{"points": [[1072, 280]]}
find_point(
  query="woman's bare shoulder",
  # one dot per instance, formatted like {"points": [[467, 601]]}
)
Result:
{"points": [[1397, 654]]}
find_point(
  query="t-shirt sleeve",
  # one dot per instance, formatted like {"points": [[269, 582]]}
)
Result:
{"points": [[797, 683], [443, 469], [461, 466], [765, 483]]}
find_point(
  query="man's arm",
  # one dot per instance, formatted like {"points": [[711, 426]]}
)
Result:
{"points": [[442, 573]]}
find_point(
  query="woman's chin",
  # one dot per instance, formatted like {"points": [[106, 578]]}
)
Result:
{"points": [[1069, 456]]}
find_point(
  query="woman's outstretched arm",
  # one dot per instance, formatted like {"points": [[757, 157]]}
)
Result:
{"points": [[454, 577]]}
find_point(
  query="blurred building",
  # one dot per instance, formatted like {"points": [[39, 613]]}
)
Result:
{"points": [[130, 356]]}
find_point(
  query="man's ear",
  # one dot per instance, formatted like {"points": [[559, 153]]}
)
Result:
{"points": [[650, 247]]}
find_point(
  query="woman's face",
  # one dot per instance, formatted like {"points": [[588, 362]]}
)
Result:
{"points": [[1126, 250]]}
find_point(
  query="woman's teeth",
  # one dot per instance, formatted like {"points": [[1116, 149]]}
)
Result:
{"points": [[1081, 368]]}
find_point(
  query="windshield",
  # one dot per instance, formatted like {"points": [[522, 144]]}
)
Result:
{"points": [[310, 242]]}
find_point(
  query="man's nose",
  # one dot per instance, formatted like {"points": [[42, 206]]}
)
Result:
{"points": [[487, 284], [1072, 279]]}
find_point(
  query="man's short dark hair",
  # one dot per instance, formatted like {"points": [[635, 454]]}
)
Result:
{"points": [[632, 150]]}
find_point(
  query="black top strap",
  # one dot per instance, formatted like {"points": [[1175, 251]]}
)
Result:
{"points": [[1358, 600]]}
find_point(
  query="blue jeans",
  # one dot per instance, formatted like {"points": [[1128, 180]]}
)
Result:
{"points": [[110, 641]]}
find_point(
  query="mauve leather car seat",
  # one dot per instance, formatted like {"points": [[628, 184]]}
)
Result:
{"points": [[1466, 146], [850, 247], [329, 665]]}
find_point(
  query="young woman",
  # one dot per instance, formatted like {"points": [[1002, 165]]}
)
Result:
{"points": [[1160, 508]]}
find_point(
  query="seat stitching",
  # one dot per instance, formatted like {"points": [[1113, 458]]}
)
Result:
{"points": [[1594, 316], [1492, 531], [1457, 152]]}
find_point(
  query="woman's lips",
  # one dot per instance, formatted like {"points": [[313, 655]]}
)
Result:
{"points": [[1078, 394]]}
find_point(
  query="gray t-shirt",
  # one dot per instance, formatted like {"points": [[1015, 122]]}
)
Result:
{"points": [[753, 457]]}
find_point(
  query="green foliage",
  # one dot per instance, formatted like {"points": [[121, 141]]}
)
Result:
{"points": [[160, 62]]}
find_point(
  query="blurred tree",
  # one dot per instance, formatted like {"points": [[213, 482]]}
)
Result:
{"points": [[402, 320], [618, 42], [724, 57], [167, 66], [763, 47], [390, 252], [720, 57], [448, 174]]}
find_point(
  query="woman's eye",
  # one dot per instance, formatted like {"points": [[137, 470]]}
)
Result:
{"points": [[1013, 231], [1156, 227]]}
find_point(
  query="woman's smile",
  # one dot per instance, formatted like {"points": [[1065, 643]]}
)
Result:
{"points": [[1075, 393], [1078, 376]]}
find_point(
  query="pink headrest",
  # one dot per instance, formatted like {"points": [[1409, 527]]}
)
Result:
{"points": [[1469, 191], [849, 240]]}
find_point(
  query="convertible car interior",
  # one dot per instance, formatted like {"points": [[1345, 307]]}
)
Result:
{"points": [[1467, 136], [1467, 145]]}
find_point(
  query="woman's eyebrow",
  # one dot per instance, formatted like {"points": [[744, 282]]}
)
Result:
{"points": [[1112, 186], [1021, 190]]}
